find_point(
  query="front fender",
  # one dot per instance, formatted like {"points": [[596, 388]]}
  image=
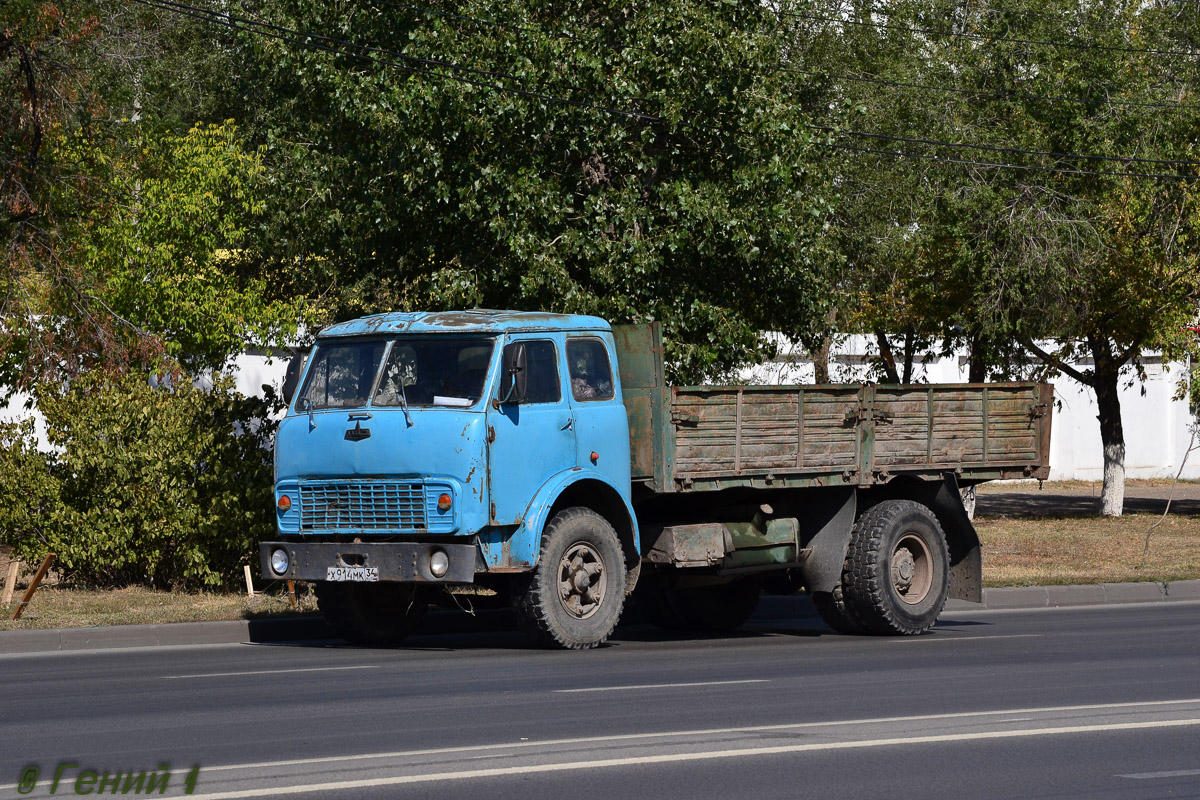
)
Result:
{"points": [[509, 549]]}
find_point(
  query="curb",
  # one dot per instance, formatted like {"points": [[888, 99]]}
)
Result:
{"points": [[314, 628]]}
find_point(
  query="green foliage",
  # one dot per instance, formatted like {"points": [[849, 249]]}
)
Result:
{"points": [[993, 256], [421, 192], [123, 229], [168, 253], [30, 493], [166, 487]]}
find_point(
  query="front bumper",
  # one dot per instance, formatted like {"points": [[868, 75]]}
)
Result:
{"points": [[395, 561]]}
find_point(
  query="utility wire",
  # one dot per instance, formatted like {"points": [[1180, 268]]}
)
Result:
{"points": [[978, 9], [1002, 165], [981, 93], [1011, 150], [994, 39]]}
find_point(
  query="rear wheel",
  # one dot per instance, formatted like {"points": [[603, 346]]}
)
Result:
{"points": [[896, 576], [375, 614], [834, 611], [723, 607], [574, 596], [651, 596]]}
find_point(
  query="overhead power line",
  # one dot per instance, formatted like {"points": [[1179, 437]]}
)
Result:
{"points": [[987, 94], [1003, 165], [1010, 150], [979, 9], [994, 39]]}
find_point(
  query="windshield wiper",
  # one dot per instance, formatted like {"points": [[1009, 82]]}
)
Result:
{"points": [[408, 423]]}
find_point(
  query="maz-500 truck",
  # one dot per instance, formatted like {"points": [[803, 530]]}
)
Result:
{"points": [[543, 459]]}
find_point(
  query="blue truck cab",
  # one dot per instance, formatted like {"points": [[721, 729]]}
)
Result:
{"points": [[423, 451]]}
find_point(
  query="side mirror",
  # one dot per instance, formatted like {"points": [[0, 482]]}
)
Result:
{"points": [[291, 378], [514, 375]]}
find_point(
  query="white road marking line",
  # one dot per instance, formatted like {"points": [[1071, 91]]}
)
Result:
{"points": [[656, 686], [1181, 773], [696, 732], [625, 737], [266, 672], [682, 757], [945, 637]]}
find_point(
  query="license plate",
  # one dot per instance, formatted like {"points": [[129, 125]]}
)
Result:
{"points": [[352, 574]]}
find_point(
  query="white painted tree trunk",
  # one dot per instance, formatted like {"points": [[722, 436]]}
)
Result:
{"points": [[1112, 496]]}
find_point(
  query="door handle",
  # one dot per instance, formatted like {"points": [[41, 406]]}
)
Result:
{"points": [[569, 426]]}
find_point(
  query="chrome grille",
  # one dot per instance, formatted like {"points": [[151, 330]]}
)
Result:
{"points": [[362, 506]]}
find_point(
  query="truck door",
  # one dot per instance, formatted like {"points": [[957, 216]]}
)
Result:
{"points": [[601, 423], [534, 440]]}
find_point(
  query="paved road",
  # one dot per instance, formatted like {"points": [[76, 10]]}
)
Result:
{"points": [[1058, 500], [1095, 703]]}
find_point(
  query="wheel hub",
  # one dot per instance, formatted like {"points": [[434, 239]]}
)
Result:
{"points": [[903, 567], [582, 581], [912, 569]]}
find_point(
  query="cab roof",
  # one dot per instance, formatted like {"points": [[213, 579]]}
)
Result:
{"points": [[473, 321]]}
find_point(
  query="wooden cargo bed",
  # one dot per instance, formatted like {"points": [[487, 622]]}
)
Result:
{"points": [[704, 438]]}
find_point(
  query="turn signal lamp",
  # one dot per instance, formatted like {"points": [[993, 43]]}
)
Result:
{"points": [[444, 502], [285, 503]]}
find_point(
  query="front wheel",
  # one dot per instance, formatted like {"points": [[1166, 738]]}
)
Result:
{"points": [[373, 614], [717, 608], [574, 596], [896, 575]]}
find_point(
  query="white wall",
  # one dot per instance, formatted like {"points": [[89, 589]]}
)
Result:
{"points": [[249, 370], [1156, 426], [1157, 431]]}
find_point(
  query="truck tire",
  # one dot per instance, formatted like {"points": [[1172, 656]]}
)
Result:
{"points": [[650, 595], [896, 576], [372, 614], [834, 611], [720, 608], [573, 598]]}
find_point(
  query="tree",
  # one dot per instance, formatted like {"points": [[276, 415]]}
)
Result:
{"points": [[632, 161], [121, 232], [1041, 183], [1106, 264]]}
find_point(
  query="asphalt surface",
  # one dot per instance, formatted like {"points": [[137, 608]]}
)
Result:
{"points": [[1095, 702], [1059, 500]]}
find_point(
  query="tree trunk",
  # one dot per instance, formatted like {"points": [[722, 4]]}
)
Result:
{"points": [[977, 365], [821, 356], [821, 361], [910, 336], [1112, 432], [887, 358]]}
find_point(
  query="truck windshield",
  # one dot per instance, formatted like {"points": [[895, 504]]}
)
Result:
{"points": [[342, 374], [435, 371], [420, 371]]}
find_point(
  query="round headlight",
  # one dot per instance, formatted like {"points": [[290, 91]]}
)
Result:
{"points": [[279, 561], [439, 563]]}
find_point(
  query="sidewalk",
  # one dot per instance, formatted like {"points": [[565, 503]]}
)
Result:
{"points": [[313, 628]]}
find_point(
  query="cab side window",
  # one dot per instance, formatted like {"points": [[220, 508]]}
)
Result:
{"points": [[591, 374], [542, 363]]}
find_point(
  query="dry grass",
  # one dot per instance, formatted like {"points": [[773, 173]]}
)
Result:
{"points": [[53, 607], [1066, 550]]}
